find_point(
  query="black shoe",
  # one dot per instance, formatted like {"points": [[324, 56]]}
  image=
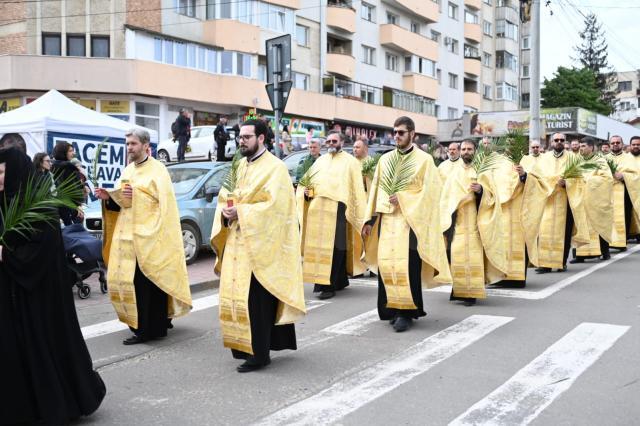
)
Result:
{"points": [[577, 260], [563, 269], [543, 270], [250, 365], [469, 301], [392, 321], [402, 324], [606, 257], [134, 340], [326, 295]]}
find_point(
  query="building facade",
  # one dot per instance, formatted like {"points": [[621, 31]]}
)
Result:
{"points": [[626, 86], [358, 64]]}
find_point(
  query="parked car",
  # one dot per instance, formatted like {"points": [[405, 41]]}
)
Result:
{"points": [[202, 145], [196, 185]]}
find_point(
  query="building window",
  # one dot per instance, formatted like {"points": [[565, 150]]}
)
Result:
{"points": [[506, 92], [506, 29], [157, 49], [212, 61], [486, 91], [486, 59], [191, 55], [76, 45], [506, 60], [181, 54], [453, 81], [471, 51], [419, 65], [302, 35], [243, 64], [452, 44], [202, 58], [392, 62], [100, 46], [452, 113], [368, 55], [415, 27], [452, 11], [301, 81], [435, 36], [367, 94], [486, 28], [148, 115], [487, 2], [470, 18], [525, 100], [624, 86], [525, 42], [187, 7], [525, 71], [368, 12], [226, 62], [51, 44], [439, 75], [392, 18]]}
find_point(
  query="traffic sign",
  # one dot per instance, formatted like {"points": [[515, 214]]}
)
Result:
{"points": [[284, 87], [278, 52]]}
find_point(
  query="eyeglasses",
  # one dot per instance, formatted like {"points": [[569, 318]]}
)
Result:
{"points": [[559, 140], [332, 141], [245, 137], [399, 132]]}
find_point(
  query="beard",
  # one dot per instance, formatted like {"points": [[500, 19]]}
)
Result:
{"points": [[467, 159], [558, 148], [246, 151], [635, 153], [332, 150]]}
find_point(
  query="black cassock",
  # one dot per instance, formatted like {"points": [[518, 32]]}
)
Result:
{"points": [[47, 372], [339, 279]]}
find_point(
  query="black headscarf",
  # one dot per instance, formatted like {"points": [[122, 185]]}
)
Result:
{"points": [[18, 169]]}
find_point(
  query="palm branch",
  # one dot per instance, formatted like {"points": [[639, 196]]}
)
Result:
{"points": [[576, 166], [613, 166], [369, 165], [484, 160], [35, 204], [94, 163], [231, 178], [397, 173], [516, 145]]}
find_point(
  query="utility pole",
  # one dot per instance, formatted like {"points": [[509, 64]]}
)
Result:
{"points": [[534, 82]]}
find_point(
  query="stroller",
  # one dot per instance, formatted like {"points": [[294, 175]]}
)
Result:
{"points": [[84, 257]]}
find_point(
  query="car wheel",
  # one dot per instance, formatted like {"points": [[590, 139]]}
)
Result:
{"points": [[190, 241], [163, 156]]}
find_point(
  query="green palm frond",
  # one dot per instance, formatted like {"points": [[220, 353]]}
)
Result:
{"points": [[516, 145], [397, 174], [613, 166], [369, 165], [231, 178], [94, 163], [37, 204], [577, 165], [484, 160]]}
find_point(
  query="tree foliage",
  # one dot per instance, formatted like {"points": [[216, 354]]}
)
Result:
{"points": [[571, 87]]}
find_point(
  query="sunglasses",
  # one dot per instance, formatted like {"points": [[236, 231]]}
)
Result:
{"points": [[559, 140], [332, 141], [400, 132]]}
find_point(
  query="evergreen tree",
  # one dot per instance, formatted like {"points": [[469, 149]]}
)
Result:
{"points": [[592, 54]]}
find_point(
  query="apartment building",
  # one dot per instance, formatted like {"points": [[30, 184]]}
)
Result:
{"points": [[357, 64], [626, 85]]}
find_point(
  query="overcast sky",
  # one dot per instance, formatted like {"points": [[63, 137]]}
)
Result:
{"points": [[620, 21]]}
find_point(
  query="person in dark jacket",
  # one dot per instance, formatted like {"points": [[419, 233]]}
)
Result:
{"points": [[221, 137], [63, 169], [183, 132]]}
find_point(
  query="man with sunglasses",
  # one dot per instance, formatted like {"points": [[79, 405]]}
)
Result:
{"points": [[528, 162], [626, 185], [330, 215], [402, 240]]}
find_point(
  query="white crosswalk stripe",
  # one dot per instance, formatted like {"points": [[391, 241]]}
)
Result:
{"points": [[376, 380], [525, 395]]}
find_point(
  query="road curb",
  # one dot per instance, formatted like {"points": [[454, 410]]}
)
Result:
{"points": [[204, 285]]}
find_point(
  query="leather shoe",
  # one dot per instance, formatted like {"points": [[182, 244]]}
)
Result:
{"points": [[469, 301], [326, 295], [251, 365], [543, 270], [606, 257], [563, 269], [402, 324], [134, 340], [577, 260]]}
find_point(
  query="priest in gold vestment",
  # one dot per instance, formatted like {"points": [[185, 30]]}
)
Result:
{"points": [[331, 217], [403, 243], [528, 162], [626, 179], [471, 219], [256, 238], [453, 151], [634, 188], [147, 272], [597, 190]]}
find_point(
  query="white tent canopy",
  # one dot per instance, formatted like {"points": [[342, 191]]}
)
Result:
{"points": [[54, 112]]}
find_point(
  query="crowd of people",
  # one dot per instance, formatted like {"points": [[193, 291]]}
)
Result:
{"points": [[478, 219]]}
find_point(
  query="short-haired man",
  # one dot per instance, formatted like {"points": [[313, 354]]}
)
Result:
{"points": [[183, 132], [314, 153], [256, 238], [529, 161], [574, 141], [148, 282], [331, 219], [626, 188], [605, 147], [402, 241], [221, 136], [453, 152]]}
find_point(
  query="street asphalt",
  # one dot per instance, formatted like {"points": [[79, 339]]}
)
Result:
{"points": [[563, 351]]}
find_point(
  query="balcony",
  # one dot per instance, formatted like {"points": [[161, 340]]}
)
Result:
{"points": [[398, 38], [472, 66], [420, 85], [341, 18], [341, 64], [291, 4], [232, 35], [426, 9], [473, 32], [473, 100], [474, 4]]}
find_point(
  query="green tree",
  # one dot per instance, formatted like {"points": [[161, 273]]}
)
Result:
{"points": [[592, 54], [572, 87]]}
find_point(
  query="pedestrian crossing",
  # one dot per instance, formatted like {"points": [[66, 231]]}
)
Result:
{"points": [[530, 386]]}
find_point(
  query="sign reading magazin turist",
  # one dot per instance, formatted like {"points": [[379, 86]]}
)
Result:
{"points": [[112, 157]]}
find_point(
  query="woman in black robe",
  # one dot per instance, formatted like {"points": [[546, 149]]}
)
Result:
{"points": [[47, 371]]}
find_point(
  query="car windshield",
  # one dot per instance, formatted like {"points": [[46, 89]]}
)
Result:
{"points": [[184, 179]]}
